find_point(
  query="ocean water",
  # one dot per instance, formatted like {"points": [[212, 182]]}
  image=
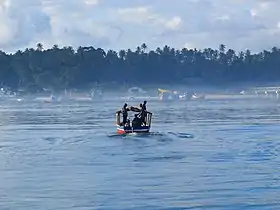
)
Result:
{"points": [[211, 154]]}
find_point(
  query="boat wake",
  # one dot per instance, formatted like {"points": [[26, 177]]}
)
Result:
{"points": [[168, 135], [181, 135]]}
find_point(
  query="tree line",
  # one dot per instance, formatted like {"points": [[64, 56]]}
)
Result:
{"points": [[68, 68]]}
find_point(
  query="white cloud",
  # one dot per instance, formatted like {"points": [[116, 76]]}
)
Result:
{"points": [[139, 15], [146, 15], [21, 21], [6, 27], [174, 23], [121, 24], [91, 2], [188, 45]]}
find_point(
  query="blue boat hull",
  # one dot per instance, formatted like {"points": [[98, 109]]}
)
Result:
{"points": [[124, 130]]}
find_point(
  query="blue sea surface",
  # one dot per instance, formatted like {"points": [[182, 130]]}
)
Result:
{"points": [[199, 155]]}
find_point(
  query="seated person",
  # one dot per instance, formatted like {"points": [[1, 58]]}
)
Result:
{"points": [[136, 122]]}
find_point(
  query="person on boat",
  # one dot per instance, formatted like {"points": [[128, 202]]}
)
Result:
{"points": [[127, 123], [140, 109], [144, 107], [143, 112], [124, 114], [140, 112], [136, 122]]}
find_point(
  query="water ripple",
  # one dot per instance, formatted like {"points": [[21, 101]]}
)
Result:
{"points": [[200, 155]]}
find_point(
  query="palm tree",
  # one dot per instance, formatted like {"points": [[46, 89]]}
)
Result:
{"points": [[222, 48], [138, 50], [159, 50], [230, 56], [248, 53], [274, 50], [122, 54], [144, 47], [55, 47], [166, 49], [40, 47], [241, 55]]}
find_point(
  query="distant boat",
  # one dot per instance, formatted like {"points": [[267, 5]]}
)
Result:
{"points": [[136, 91], [197, 97], [140, 98], [74, 95], [49, 99], [169, 95], [96, 94], [6, 93]]}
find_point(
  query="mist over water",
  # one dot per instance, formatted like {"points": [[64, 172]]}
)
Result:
{"points": [[208, 154]]}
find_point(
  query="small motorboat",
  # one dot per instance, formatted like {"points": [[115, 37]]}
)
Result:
{"points": [[96, 94], [127, 128], [197, 97], [169, 95], [136, 91], [50, 99]]}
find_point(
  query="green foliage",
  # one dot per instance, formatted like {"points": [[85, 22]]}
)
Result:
{"points": [[68, 68]]}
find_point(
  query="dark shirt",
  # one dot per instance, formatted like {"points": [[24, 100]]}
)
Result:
{"points": [[143, 111], [144, 108], [136, 122], [124, 111]]}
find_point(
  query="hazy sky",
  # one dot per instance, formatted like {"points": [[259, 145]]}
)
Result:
{"points": [[117, 24]]}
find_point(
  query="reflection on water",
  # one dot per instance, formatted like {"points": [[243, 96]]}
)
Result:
{"points": [[199, 155]]}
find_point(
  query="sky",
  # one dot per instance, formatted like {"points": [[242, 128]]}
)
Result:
{"points": [[123, 24]]}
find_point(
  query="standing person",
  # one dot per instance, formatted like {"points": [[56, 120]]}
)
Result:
{"points": [[125, 114], [140, 107], [144, 107], [143, 112]]}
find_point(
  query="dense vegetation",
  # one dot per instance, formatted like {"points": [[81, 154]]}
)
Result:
{"points": [[66, 67]]}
